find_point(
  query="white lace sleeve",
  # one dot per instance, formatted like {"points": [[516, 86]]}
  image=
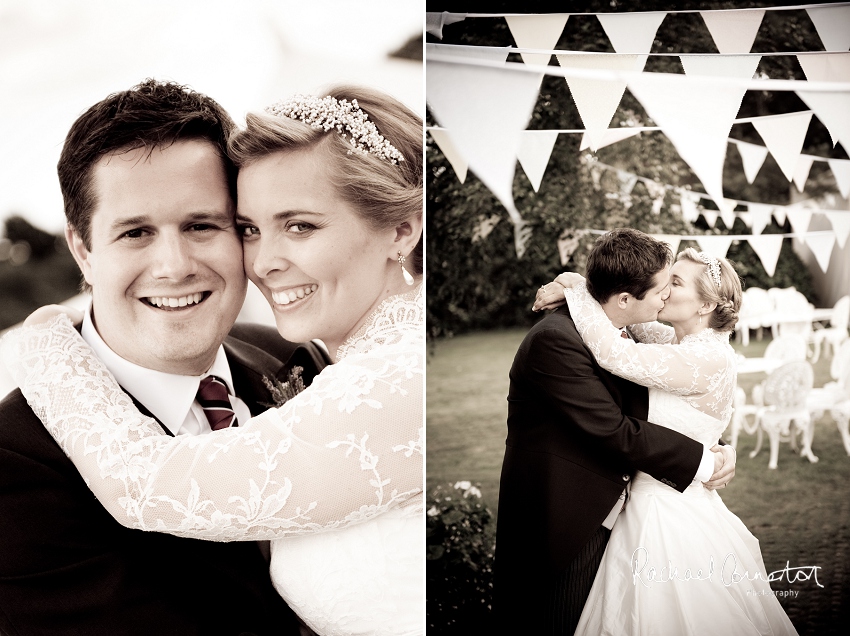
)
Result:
{"points": [[347, 448], [653, 332]]}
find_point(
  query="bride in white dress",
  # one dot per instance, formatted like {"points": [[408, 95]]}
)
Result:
{"points": [[678, 563], [330, 209]]}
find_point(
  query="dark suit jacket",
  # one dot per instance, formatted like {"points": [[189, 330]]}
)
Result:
{"points": [[67, 567], [576, 435]]}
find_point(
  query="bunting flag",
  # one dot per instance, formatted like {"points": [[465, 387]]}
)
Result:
{"points": [[767, 248], [688, 202], [840, 225], [733, 31], [657, 192], [672, 240], [779, 215], [491, 53], [784, 137], [727, 212], [841, 171], [710, 217], [714, 244], [494, 99], [752, 156], [833, 26], [631, 32], [799, 217], [534, 152], [826, 67], [696, 115], [831, 109], [801, 172], [597, 100], [821, 245], [743, 66], [537, 32], [612, 136], [628, 181], [568, 242], [484, 227], [444, 142], [434, 22], [760, 216]]}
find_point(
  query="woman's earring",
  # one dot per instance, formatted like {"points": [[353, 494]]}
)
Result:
{"points": [[700, 317], [407, 277]]}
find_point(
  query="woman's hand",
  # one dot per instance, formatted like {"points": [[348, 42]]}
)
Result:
{"points": [[46, 313], [551, 295]]}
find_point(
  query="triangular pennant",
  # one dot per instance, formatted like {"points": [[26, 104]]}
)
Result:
{"points": [[784, 137], [631, 32], [821, 245], [672, 240], [801, 172], [767, 248], [484, 227], [727, 212], [696, 115], [840, 225], [534, 152], [760, 215], [710, 217], [825, 67], [746, 217], [733, 31], [444, 142], [688, 202], [799, 218], [833, 26], [841, 171], [628, 181], [611, 136], [779, 214], [743, 66], [714, 244], [537, 32], [493, 99], [831, 109], [597, 100], [490, 53], [753, 157], [568, 242], [435, 21]]}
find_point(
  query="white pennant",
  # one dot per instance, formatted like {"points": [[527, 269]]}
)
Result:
{"points": [[537, 32], [743, 66], [831, 109], [799, 218], [821, 245], [567, 244], [611, 136], [779, 214], [714, 244], [767, 248], [733, 31], [760, 214], [833, 26], [688, 203], [491, 53], [435, 21], [841, 171], [840, 225], [710, 217], [494, 99], [801, 172], [696, 115], [672, 240], [444, 141], [631, 32], [747, 218], [784, 137], [484, 227], [752, 156], [597, 100], [727, 212], [628, 181], [825, 67], [534, 152]]}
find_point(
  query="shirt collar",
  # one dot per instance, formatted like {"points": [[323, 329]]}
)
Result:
{"points": [[167, 395]]}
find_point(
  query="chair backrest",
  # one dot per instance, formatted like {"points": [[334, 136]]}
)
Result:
{"points": [[840, 367], [841, 313], [756, 301], [789, 385], [787, 347], [789, 300]]}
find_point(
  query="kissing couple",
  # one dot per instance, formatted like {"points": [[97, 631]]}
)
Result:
{"points": [[195, 435], [609, 517]]}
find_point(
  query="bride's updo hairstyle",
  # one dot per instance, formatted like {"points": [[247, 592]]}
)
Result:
{"points": [[384, 187], [727, 294]]}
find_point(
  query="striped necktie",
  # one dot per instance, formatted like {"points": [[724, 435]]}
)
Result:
{"points": [[213, 397]]}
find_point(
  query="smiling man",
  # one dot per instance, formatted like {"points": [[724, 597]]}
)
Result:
{"points": [[149, 198]]}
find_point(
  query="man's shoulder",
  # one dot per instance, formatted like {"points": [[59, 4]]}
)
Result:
{"points": [[558, 324]]}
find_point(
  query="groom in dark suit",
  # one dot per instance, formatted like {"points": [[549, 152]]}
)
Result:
{"points": [[576, 435], [149, 196]]}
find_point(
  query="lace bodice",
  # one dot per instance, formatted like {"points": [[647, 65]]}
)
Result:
{"points": [[702, 369], [344, 450]]}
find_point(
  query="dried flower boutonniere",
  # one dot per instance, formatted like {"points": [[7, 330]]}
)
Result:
{"points": [[282, 392]]}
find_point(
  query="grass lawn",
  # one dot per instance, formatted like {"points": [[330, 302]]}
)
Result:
{"points": [[800, 512]]}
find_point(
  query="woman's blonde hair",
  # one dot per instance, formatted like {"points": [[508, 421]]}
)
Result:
{"points": [[383, 193], [727, 295]]}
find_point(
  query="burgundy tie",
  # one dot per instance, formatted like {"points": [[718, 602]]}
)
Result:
{"points": [[213, 397], [623, 334]]}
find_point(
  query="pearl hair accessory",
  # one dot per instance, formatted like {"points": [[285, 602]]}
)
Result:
{"points": [[713, 267], [347, 117]]}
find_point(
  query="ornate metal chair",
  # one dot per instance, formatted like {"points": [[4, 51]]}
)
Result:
{"points": [[835, 396], [836, 333]]}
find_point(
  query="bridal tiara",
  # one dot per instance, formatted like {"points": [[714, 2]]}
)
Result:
{"points": [[713, 267], [347, 117]]}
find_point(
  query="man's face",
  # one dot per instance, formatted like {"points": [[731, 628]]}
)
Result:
{"points": [[647, 309], [165, 264]]}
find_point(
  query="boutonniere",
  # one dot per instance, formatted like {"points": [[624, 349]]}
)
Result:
{"points": [[282, 392]]}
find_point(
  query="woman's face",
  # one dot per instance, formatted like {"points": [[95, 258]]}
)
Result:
{"points": [[684, 302], [320, 266]]}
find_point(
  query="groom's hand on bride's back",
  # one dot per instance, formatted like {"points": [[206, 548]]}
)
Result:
{"points": [[724, 466]]}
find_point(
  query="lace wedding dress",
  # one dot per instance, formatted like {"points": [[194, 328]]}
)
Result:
{"points": [[334, 477], [676, 563]]}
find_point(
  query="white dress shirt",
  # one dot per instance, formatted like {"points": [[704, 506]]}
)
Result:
{"points": [[169, 397]]}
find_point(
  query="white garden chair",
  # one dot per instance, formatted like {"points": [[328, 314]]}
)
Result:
{"points": [[835, 396], [788, 348], [785, 413], [792, 312], [836, 333], [756, 313]]}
